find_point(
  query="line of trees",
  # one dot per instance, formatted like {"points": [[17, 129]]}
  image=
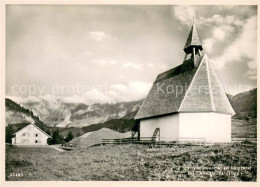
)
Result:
{"points": [[9, 131], [58, 139]]}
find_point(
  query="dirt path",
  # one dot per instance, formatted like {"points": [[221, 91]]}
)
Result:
{"points": [[56, 147]]}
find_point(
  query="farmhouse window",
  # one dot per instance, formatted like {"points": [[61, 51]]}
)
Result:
{"points": [[36, 141], [26, 134], [25, 141], [36, 135]]}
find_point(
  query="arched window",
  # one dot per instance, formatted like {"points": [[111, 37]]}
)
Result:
{"points": [[26, 134]]}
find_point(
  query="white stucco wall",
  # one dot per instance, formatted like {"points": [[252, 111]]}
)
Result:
{"points": [[214, 127], [168, 126], [27, 136]]}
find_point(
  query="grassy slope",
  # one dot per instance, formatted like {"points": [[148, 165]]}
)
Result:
{"points": [[244, 104], [244, 128], [131, 162], [96, 137]]}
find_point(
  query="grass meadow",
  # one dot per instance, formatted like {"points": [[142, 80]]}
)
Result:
{"points": [[132, 162], [234, 162]]}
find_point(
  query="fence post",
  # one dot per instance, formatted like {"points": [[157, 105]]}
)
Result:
{"points": [[138, 135]]}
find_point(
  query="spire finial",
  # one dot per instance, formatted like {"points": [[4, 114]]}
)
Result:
{"points": [[194, 17]]}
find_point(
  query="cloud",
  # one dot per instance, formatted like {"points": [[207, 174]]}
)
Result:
{"points": [[96, 95], [208, 44], [105, 61], [29, 99], [119, 87], [184, 14], [133, 37], [164, 66], [98, 36], [132, 65], [220, 20], [223, 28], [150, 65], [73, 99], [48, 97], [16, 99], [219, 34], [134, 90], [243, 47]]}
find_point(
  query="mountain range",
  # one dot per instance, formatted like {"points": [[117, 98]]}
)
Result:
{"points": [[55, 113], [79, 118]]}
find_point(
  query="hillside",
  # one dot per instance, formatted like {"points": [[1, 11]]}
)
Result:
{"points": [[120, 125], [18, 116], [245, 104]]}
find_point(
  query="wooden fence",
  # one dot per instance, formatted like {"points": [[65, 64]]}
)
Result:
{"points": [[149, 140], [237, 140], [165, 141]]}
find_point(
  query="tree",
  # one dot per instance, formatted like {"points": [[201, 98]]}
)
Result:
{"points": [[8, 134], [56, 138], [69, 137], [48, 132]]}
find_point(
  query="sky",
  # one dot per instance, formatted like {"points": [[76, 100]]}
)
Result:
{"points": [[113, 53]]}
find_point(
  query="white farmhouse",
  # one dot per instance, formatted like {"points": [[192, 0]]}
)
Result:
{"points": [[188, 101], [30, 135]]}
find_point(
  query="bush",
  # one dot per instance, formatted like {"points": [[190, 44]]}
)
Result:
{"points": [[186, 157], [245, 176], [246, 141], [222, 178], [69, 137], [20, 163]]}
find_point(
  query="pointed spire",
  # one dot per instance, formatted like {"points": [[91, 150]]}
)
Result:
{"points": [[193, 39]]}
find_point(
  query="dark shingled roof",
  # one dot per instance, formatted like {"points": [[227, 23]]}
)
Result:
{"points": [[198, 96], [186, 90], [192, 40], [221, 102], [167, 92]]}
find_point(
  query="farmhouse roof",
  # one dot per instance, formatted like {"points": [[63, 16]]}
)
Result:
{"points": [[35, 127], [186, 88]]}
